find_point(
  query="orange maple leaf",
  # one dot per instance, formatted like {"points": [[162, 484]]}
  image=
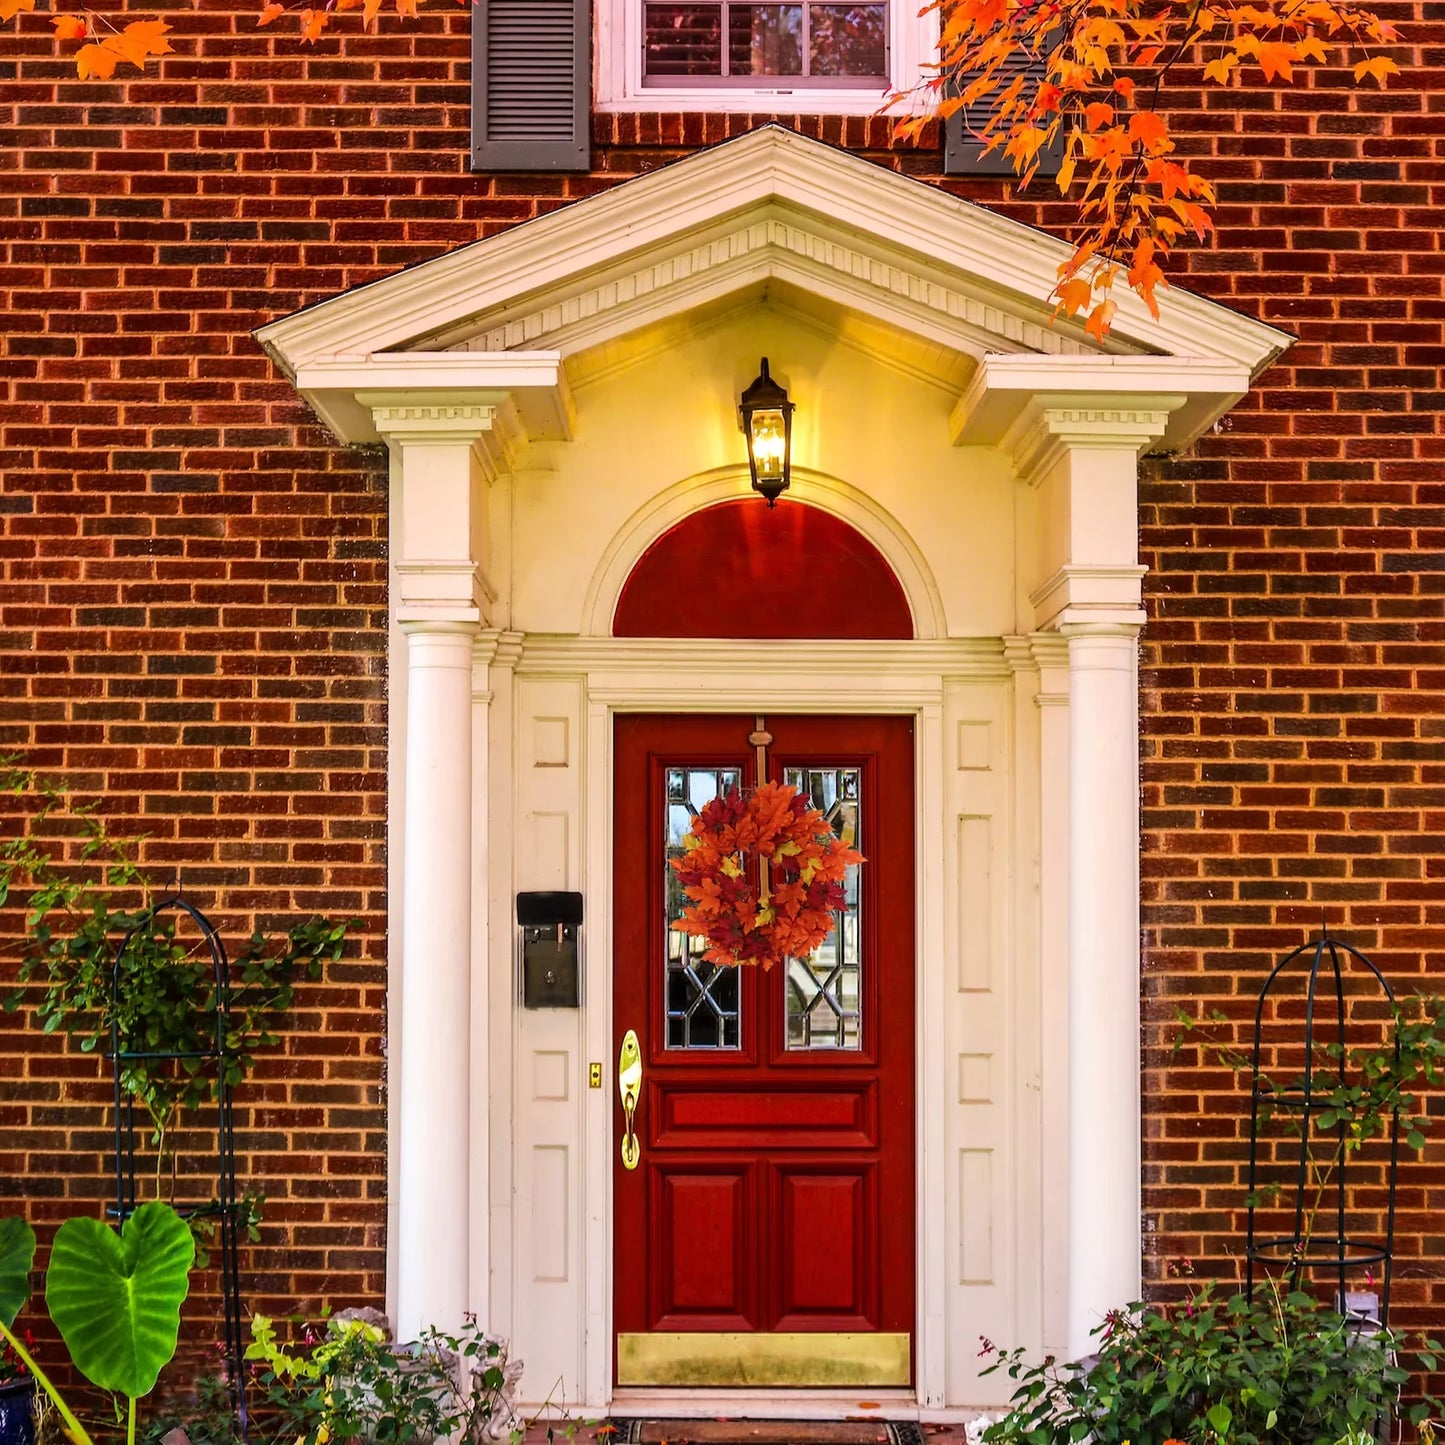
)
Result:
{"points": [[139, 41], [1378, 66], [1276, 57], [1149, 129], [68, 27], [1145, 275], [96, 62], [1099, 318], [1073, 294], [313, 22], [9, 9], [269, 13]]}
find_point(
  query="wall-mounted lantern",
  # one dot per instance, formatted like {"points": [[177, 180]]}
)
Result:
{"points": [[767, 419]]}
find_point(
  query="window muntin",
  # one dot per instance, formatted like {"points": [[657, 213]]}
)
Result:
{"points": [[728, 43]]}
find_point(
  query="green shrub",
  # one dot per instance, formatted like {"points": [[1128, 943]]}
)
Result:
{"points": [[1279, 1369]]}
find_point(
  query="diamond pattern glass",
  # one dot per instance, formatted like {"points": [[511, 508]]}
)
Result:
{"points": [[824, 991], [703, 1000]]}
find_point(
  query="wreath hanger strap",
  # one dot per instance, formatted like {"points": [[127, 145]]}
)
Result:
{"points": [[760, 738]]}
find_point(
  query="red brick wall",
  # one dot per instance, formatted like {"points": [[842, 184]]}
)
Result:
{"points": [[193, 593]]}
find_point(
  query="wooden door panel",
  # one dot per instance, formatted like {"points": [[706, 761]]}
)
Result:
{"points": [[706, 1216], [776, 1111], [827, 1214], [761, 1118]]}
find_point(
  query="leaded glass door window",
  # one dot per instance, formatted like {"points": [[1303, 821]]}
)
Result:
{"points": [[704, 1000], [824, 993]]}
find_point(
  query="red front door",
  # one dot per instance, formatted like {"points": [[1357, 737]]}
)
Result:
{"points": [[766, 1235]]}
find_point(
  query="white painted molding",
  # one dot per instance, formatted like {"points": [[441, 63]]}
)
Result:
{"points": [[414, 392], [816, 489], [1093, 594], [916, 224], [891, 667], [440, 591], [1025, 403]]}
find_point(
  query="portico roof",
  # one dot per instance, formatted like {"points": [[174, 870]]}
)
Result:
{"points": [[962, 290]]}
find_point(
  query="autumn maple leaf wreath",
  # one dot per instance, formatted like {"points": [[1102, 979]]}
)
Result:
{"points": [[763, 876]]}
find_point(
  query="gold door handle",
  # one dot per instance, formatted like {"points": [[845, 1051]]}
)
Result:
{"points": [[629, 1086]]}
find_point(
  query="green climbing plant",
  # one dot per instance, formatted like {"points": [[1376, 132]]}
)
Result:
{"points": [[84, 891], [1358, 1089]]}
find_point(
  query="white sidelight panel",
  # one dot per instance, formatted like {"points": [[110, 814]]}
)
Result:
{"points": [[549, 1074]]}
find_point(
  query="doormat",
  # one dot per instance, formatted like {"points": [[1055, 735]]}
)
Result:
{"points": [[766, 1432]]}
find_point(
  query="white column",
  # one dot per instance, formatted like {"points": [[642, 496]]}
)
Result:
{"points": [[442, 457], [1104, 1059], [1078, 456], [435, 1043]]}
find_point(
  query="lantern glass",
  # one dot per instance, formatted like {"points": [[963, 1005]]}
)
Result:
{"points": [[770, 444]]}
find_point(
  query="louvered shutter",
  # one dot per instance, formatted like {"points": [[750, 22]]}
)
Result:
{"points": [[963, 153], [531, 85]]}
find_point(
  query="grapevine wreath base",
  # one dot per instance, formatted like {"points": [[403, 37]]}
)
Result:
{"points": [[763, 876]]}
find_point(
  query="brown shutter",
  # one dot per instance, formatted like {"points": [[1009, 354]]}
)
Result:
{"points": [[531, 85], [963, 153]]}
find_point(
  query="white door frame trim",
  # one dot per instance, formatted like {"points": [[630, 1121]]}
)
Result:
{"points": [[626, 676]]}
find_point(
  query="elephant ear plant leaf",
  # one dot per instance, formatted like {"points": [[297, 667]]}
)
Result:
{"points": [[17, 1255], [115, 1298]]}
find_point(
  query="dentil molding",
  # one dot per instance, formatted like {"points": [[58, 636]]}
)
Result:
{"points": [[890, 286]]}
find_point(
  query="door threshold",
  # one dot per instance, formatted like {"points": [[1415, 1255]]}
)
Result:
{"points": [[766, 1404]]}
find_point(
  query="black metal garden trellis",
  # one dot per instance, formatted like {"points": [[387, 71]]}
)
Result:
{"points": [[1316, 1108], [223, 1208]]}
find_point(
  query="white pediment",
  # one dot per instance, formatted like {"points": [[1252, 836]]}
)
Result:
{"points": [[770, 212]]}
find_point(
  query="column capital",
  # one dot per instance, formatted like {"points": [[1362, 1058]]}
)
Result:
{"points": [[1100, 628], [491, 428], [1051, 426], [402, 421], [433, 625]]}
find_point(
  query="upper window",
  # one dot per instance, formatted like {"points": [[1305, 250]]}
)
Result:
{"points": [[813, 56], [810, 45]]}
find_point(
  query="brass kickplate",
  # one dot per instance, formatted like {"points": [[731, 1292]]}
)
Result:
{"points": [[739, 1359]]}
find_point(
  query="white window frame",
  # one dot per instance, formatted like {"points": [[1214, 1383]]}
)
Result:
{"points": [[912, 43]]}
